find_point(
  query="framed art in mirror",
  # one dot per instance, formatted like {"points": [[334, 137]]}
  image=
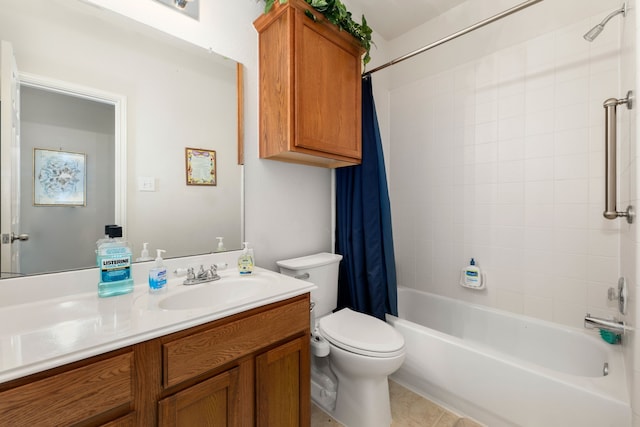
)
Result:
{"points": [[58, 178], [200, 166]]}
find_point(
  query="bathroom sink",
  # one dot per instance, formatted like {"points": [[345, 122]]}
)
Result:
{"points": [[230, 291]]}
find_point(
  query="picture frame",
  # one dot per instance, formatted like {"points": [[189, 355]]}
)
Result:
{"points": [[201, 166], [59, 178]]}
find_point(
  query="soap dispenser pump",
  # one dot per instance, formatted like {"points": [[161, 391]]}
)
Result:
{"points": [[144, 254], [158, 274]]}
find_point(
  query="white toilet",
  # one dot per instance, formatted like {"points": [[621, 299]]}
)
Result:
{"points": [[363, 350]]}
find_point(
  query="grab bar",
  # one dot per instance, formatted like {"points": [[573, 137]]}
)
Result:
{"points": [[610, 126]]}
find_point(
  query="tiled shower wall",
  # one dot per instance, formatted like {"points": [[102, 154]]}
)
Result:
{"points": [[629, 242], [502, 159]]}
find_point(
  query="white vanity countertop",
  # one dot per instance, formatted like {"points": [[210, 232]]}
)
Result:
{"points": [[36, 336]]}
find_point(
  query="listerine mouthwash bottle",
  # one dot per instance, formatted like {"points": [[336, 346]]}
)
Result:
{"points": [[114, 262]]}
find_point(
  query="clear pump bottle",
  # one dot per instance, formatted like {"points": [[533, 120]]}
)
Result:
{"points": [[158, 274]]}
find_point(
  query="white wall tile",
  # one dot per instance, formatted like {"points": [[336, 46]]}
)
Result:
{"points": [[511, 171], [540, 239], [572, 141], [511, 128], [540, 215], [538, 98], [517, 153], [538, 169], [571, 240], [540, 145], [540, 308], [539, 122], [572, 191], [512, 149], [572, 167], [539, 192]]}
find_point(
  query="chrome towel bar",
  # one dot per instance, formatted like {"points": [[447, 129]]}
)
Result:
{"points": [[610, 127]]}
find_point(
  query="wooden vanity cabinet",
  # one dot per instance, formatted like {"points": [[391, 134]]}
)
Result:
{"points": [[310, 88], [248, 369], [91, 392], [253, 367]]}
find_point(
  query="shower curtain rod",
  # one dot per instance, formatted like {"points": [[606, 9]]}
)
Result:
{"points": [[462, 32]]}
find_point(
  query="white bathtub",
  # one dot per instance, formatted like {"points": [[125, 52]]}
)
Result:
{"points": [[508, 370]]}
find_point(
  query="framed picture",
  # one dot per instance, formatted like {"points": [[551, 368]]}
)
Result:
{"points": [[59, 178], [201, 166]]}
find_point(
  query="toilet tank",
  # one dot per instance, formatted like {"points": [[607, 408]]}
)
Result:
{"points": [[321, 270]]}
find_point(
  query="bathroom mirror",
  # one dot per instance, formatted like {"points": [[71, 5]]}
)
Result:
{"points": [[161, 96]]}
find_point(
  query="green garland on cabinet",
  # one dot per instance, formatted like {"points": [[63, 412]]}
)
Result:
{"points": [[336, 13]]}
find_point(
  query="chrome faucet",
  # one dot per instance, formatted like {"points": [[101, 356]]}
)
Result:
{"points": [[203, 276], [616, 326]]}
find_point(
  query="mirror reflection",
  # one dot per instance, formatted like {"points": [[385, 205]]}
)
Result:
{"points": [[108, 107]]}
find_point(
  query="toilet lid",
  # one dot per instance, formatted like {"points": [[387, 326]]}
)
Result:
{"points": [[362, 334]]}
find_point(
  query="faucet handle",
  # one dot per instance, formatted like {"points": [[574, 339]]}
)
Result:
{"points": [[201, 273]]}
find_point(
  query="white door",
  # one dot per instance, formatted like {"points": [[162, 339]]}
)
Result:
{"points": [[9, 163]]}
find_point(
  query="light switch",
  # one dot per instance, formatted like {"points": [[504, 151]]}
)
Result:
{"points": [[146, 183]]}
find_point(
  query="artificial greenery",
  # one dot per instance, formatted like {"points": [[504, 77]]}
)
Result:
{"points": [[336, 13]]}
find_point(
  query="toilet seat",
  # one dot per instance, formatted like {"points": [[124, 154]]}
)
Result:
{"points": [[361, 334]]}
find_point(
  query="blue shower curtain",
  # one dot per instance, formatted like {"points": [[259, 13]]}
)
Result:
{"points": [[367, 278]]}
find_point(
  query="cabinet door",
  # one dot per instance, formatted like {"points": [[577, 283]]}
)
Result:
{"points": [[283, 385], [213, 402], [327, 91]]}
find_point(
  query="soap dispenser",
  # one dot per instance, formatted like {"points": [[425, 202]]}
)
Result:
{"points": [[158, 274], [220, 247], [245, 260], [471, 276], [144, 254]]}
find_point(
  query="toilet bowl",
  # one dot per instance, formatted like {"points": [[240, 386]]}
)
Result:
{"points": [[363, 350]]}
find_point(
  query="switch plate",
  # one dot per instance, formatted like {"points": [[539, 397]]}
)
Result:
{"points": [[146, 183]]}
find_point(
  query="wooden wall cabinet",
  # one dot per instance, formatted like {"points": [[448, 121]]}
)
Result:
{"points": [[248, 369], [310, 88]]}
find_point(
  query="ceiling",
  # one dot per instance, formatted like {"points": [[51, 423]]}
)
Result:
{"points": [[391, 18]]}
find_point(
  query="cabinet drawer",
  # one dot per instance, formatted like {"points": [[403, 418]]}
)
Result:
{"points": [[187, 357], [72, 396]]}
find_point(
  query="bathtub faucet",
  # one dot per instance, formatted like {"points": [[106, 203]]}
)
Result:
{"points": [[592, 322]]}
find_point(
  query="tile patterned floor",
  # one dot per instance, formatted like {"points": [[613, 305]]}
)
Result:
{"points": [[407, 410]]}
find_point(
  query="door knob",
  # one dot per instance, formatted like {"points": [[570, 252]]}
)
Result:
{"points": [[22, 237]]}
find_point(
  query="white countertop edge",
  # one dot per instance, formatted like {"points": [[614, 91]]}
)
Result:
{"points": [[193, 318]]}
